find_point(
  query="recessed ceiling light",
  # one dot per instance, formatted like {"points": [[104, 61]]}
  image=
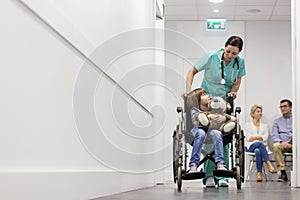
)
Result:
{"points": [[216, 1], [216, 10], [254, 10]]}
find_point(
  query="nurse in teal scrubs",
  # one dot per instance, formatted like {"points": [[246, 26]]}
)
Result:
{"points": [[223, 72]]}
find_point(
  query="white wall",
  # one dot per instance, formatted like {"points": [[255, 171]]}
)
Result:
{"points": [[268, 54], [42, 149]]}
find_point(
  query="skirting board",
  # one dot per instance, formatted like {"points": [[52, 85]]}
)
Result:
{"points": [[69, 185]]}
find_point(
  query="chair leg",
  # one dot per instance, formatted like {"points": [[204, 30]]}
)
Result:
{"points": [[250, 169], [264, 172]]}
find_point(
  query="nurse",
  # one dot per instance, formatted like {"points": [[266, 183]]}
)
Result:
{"points": [[223, 72]]}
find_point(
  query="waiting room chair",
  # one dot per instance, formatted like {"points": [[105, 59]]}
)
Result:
{"points": [[288, 160], [252, 166]]}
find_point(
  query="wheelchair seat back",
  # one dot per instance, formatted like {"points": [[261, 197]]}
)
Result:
{"points": [[190, 100]]}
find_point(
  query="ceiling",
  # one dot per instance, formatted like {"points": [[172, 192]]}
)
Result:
{"points": [[179, 10]]}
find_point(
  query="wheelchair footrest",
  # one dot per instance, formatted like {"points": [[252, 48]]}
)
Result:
{"points": [[193, 175], [224, 173]]}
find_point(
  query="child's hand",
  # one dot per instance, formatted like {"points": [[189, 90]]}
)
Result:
{"points": [[220, 119], [217, 118]]}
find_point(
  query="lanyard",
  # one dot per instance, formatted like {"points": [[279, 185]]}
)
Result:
{"points": [[222, 68]]}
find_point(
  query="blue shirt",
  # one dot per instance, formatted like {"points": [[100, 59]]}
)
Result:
{"points": [[282, 129], [211, 64]]}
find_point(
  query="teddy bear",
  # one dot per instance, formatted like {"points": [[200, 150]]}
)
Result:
{"points": [[216, 118]]}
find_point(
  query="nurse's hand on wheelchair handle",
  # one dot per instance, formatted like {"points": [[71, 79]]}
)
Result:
{"points": [[232, 94]]}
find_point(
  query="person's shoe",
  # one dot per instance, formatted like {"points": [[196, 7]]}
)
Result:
{"points": [[210, 182], [271, 168], [223, 183], [193, 168], [259, 177], [220, 166], [282, 177]]}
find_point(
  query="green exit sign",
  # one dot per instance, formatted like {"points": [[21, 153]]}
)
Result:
{"points": [[216, 24]]}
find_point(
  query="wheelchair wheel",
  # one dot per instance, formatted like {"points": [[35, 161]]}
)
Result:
{"points": [[238, 177], [177, 162], [179, 177], [175, 155], [241, 154]]}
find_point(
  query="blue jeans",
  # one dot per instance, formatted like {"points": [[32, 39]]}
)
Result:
{"points": [[261, 154], [199, 138]]}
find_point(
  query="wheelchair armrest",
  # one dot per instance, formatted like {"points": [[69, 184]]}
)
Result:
{"points": [[179, 109]]}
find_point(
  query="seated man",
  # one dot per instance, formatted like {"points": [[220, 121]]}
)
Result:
{"points": [[282, 136]]}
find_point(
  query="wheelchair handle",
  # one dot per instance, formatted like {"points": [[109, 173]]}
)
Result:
{"points": [[179, 109], [238, 110], [229, 100]]}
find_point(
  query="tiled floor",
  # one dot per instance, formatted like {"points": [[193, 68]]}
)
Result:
{"points": [[194, 190]]}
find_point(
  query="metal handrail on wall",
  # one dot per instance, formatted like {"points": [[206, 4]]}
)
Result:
{"points": [[90, 62]]}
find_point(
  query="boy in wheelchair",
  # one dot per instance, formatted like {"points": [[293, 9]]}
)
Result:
{"points": [[208, 126]]}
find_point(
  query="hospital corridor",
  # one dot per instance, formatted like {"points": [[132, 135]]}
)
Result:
{"points": [[149, 99]]}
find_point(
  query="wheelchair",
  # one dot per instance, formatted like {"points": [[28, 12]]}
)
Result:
{"points": [[183, 137]]}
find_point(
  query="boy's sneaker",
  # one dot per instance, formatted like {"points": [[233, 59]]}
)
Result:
{"points": [[193, 168], [220, 166], [223, 183], [210, 182]]}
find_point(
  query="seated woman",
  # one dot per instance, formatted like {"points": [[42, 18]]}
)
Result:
{"points": [[200, 104], [256, 134]]}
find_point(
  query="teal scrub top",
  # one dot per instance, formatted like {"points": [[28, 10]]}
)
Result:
{"points": [[211, 64]]}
